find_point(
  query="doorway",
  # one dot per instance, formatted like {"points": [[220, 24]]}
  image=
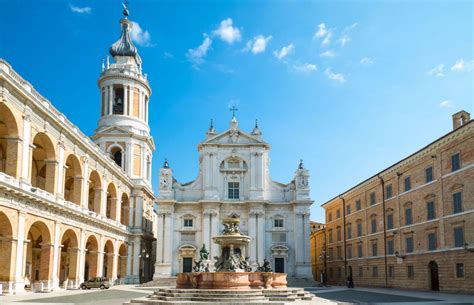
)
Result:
{"points": [[279, 264], [434, 278], [187, 264]]}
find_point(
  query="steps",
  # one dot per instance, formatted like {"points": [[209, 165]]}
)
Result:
{"points": [[174, 296], [161, 282]]}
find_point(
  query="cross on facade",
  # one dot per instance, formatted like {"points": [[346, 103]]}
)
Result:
{"points": [[233, 109]]}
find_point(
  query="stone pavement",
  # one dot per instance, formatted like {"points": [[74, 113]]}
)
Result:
{"points": [[325, 295]]}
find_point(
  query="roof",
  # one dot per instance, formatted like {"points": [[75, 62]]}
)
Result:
{"points": [[399, 162]]}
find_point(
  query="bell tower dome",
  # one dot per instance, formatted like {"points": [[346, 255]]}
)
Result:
{"points": [[123, 131]]}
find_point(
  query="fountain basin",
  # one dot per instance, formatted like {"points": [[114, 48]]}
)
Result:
{"points": [[231, 280]]}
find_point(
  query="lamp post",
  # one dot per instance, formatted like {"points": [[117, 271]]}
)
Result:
{"points": [[144, 255]]}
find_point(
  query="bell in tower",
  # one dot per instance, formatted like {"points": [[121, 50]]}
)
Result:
{"points": [[123, 130]]}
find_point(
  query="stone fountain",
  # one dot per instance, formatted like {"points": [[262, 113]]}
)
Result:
{"points": [[232, 269]]}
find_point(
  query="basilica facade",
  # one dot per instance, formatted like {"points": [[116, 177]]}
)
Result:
{"points": [[73, 207], [234, 181]]}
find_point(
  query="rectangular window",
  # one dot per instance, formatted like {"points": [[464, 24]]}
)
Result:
{"points": [[349, 251], [331, 256], [339, 272], [459, 237], [455, 162], [391, 271], [329, 217], [432, 241], [359, 229], [373, 225], [407, 184], [348, 208], [330, 235], [278, 223], [188, 223], [372, 198], [410, 271], [429, 174], [349, 231], [388, 191], [389, 221], [233, 190], [338, 213], [409, 244], [359, 250], [390, 249], [278, 237], [375, 271], [408, 219], [339, 252], [457, 202], [338, 234], [361, 271], [430, 210], [374, 249], [459, 270], [358, 205]]}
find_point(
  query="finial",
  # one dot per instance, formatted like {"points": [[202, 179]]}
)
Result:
{"points": [[125, 9], [108, 62], [256, 123], [166, 164], [233, 109], [212, 125], [301, 166], [103, 65]]}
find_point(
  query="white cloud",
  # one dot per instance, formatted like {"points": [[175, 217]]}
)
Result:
{"points": [[366, 61], [196, 56], [227, 32], [334, 76], [80, 10], [462, 65], [321, 32], [168, 55], [305, 67], [446, 104], [328, 54], [437, 71], [140, 36], [351, 27], [258, 44], [327, 39], [285, 51], [344, 39]]}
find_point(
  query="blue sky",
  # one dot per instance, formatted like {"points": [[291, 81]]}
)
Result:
{"points": [[349, 87]]}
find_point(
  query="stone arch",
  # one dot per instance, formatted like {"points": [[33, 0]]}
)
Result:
{"points": [[95, 192], [68, 258], [111, 203], [108, 259], [122, 261], [9, 142], [39, 254], [73, 179], [117, 153], [6, 248], [125, 209], [43, 163], [92, 257]]}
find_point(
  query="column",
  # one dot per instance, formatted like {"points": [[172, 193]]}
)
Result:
{"points": [[136, 259], [56, 244], [111, 99], [298, 238], [118, 206], [105, 101], [129, 264], [61, 171], [20, 258], [253, 233], [261, 236], [140, 105], [103, 196], [131, 223], [125, 100], [164, 245], [82, 257], [206, 229], [100, 253], [128, 159], [138, 211], [25, 158], [215, 227], [114, 266], [85, 183]]}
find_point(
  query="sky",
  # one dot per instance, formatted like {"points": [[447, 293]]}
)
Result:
{"points": [[350, 87]]}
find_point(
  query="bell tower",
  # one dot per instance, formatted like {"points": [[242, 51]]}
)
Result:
{"points": [[123, 131]]}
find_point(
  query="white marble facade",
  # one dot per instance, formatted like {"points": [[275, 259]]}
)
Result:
{"points": [[234, 179]]}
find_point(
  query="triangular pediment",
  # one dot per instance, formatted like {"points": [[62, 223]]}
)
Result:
{"points": [[234, 137], [112, 130]]}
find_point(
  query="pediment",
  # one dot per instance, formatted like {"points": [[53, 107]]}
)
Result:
{"points": [[112, 130], [234, 137]]}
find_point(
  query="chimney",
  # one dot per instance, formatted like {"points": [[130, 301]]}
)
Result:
{"points": [[460, 118]]}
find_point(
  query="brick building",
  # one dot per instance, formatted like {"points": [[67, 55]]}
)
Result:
{"points": [[411, 225]]}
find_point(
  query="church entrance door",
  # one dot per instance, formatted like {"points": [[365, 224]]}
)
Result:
{"points": [[434, 277], [279, 264], [187, 264]]}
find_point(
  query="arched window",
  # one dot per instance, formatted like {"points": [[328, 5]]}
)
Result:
{"points": [[117, 155], [118, 100]]}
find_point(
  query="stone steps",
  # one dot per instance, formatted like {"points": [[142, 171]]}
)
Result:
{"points": [[161, 282]]}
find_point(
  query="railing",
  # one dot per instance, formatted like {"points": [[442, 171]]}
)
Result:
{"points": [[59, 202]]}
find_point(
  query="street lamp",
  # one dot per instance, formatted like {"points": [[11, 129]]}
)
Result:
{"points": [[144, 255]]}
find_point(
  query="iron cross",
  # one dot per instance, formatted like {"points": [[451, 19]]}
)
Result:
{"points": [[233, 109]]}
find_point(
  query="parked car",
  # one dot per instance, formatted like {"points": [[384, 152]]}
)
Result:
{"points": [[96, 282]]}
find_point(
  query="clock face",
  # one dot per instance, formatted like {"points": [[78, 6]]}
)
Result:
{"points": [[164, 181]]}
